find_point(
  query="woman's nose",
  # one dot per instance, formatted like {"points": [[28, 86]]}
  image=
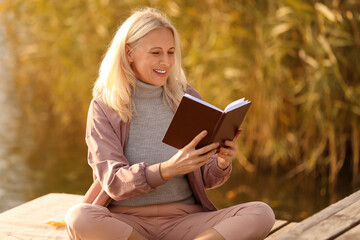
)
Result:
{"points": [[165, 60]]}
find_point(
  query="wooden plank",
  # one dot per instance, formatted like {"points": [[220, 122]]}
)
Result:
{"points": [[333, 225], [352, 234], [286, 228], [303, 226], [277, 225], [28, 221], [336, 224]]}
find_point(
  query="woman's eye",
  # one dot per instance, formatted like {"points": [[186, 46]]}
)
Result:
{"points": [[171, 52], [155, 53]]}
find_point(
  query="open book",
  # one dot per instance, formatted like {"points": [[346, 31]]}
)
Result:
{"points": [[195, 115]]}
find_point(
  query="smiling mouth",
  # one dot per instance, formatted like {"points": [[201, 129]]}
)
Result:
{"points": [[159, 71]]}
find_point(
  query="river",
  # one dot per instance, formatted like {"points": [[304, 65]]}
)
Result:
{"points": [[34, 161], [11, 167]]}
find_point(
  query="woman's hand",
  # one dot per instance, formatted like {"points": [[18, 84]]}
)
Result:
{"points": [[226, 155], [188, 159]]}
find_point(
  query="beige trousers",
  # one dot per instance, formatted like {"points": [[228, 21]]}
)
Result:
{"points": [[170, 221]]}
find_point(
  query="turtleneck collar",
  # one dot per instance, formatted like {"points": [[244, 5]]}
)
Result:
{"points": [[145, 90]]}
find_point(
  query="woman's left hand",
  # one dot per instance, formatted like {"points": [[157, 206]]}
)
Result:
{"points": [[226, 155]]}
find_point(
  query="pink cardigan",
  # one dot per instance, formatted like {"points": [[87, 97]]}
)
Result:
{"points": [[114, 178]]}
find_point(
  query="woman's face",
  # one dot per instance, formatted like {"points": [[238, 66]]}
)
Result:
{"points": [[153, 57]]}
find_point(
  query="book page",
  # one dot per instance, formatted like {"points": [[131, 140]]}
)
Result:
{"points": [[202, 102], [236, 104]]}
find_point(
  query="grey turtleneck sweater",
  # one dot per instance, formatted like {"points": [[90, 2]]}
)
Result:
{"points": [[147, 128]]}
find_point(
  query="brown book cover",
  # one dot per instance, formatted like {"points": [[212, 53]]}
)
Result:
{"points": [[195, 115]]}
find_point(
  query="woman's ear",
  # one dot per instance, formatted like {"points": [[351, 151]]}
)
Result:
{"points": [[128, 51]]}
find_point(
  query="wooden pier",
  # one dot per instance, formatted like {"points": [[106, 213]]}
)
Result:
{"points": [[37, 220], [340, 221]]}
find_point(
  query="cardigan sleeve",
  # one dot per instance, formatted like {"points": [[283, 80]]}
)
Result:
{"points": [[213, 176], [110, 166]]}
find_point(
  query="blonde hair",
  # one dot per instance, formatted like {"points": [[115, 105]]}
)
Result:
{"points": [[116, 80]]}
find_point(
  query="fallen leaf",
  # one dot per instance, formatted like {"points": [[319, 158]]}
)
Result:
{"points": [[231, 194], [56, 224]]}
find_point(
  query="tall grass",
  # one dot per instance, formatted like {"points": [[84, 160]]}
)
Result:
{"points": [[298, 61]]}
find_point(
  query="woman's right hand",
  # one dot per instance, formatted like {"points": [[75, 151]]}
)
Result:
{"points": [[188, 159]]}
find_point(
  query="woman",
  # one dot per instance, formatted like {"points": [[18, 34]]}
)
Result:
{"points": [[143, 188]]}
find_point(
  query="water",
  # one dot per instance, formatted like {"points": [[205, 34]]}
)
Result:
{"points": [[10, 154], [35, 161], [291, 199]]}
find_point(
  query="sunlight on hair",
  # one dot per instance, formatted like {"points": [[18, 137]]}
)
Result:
{"points": [[116, 79]]}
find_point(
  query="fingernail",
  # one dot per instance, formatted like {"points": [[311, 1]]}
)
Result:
{"points": [[217, 144]]}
